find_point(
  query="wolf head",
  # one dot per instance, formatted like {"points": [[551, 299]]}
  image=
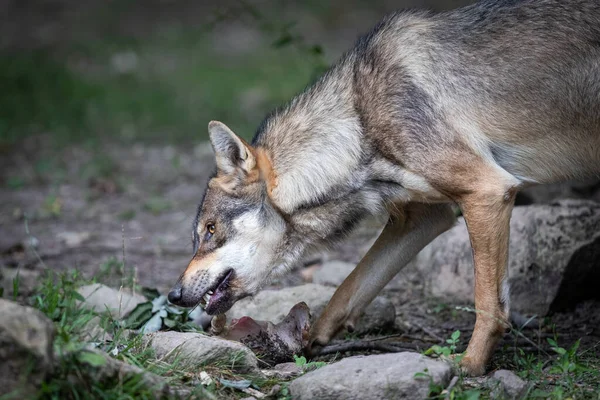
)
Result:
{"points": [[257, 218], [239, 236]]}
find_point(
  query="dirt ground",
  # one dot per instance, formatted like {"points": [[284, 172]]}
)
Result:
{"points": [[135, 205]]}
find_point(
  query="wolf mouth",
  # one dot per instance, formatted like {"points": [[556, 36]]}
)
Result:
{"points": [[217, 296]]}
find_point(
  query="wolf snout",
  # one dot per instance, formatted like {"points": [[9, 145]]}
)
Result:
{"points": [[175, 294]]}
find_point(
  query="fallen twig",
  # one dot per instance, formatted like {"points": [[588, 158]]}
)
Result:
{"points": [[448, 390], [428, 331]]}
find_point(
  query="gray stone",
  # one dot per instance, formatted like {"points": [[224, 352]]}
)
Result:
{"points": [[73, 239], [113, 372], [507, 385], [547, 194], [26, 359], [93, 332], [101, 298], [554, 258], [332, 273], [196, 349], [273, 305], [283, 371], [385, 376]]}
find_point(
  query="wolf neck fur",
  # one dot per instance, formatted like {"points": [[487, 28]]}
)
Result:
{"points": [[317, 142]]}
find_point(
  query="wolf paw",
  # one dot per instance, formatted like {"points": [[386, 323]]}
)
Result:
{"points": [[471, 366]]}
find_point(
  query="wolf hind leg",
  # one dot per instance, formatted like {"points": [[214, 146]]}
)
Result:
{"points": [[401, 239], [487, 214]]}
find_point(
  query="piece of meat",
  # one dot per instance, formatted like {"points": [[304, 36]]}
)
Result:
{"points": [[273, 343]]}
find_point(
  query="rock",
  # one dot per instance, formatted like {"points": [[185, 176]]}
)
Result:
{"points": [[93, 332], [283, 371], [97, 366], [379, 315], [273, 305], [546, 194], [507, 385], [332, 273], [101, 298], [26, 359], [554, 258], [196, 349], [384, 376], [73, 239]]}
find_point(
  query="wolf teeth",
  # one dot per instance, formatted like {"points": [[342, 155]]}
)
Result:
{"points": [[206, 297], [210, 292]]}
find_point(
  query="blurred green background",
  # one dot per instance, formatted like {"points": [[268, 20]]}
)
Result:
{"points": [[159, 70]]}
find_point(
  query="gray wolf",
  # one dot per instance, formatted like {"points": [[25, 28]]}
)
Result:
{"points": [[464, 107]]}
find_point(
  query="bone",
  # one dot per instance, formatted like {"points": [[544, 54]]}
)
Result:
{"points": [[217, 324]]}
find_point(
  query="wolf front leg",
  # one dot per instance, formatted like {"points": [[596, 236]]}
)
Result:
{"points": [[401, 239], [487, 214]]}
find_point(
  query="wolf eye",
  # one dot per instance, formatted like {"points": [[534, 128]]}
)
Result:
{"points": [[210, 228]]}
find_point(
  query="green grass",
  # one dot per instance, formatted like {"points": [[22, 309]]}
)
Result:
{"points": [[79, 372], [554, 371], [564, 373], [179, 82]]}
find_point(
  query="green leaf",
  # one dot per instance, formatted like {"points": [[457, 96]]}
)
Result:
{"points": [[300, 361], [16, 283], [158, 303], [174, 310], [559, 350], [471, 394], [170, 323], [455, 335], [283, 40], [422, 375], [78, 296], [91, 358], [153, 325], [150, 293], [139, 316]]}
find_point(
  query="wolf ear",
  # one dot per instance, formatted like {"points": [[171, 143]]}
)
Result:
{"points": [[231, 151]]}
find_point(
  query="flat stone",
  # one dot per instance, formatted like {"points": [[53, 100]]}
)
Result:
{"points": [[589, 190], [273, 305], [196, 349], [113, 372], [101, 298], [93, 332], [507, 385], [26, 359], [283, 371], [73, 239], [385, 376]]}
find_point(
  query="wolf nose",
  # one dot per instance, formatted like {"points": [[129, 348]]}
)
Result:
{"points": [[175, 294]]}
